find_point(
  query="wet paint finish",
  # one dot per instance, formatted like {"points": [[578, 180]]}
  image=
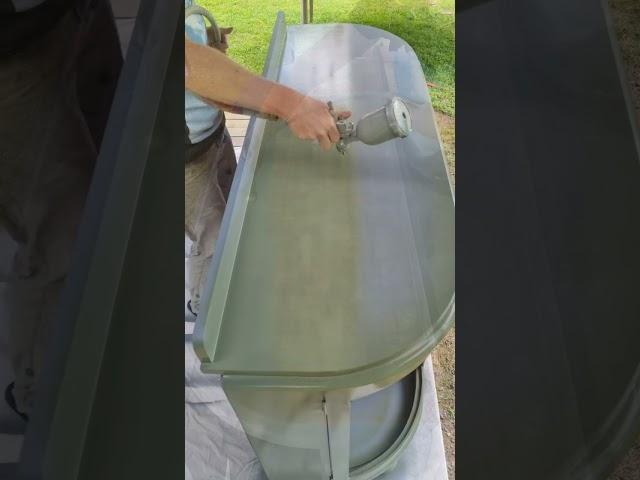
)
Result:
{"points": [[341, 263], [318, 436]]}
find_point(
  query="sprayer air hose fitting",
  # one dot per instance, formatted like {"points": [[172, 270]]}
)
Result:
{"points": [[198, 10]]}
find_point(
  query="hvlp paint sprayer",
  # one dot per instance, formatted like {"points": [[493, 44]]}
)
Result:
{"points": [[390, 121]]}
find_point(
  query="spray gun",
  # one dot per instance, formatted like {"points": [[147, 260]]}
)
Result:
{"points": [[386, 123]]}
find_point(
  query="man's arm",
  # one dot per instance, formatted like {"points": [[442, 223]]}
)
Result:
{"points": [[213, 76]]}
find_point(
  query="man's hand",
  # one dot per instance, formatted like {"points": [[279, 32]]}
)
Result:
{"points": [[311, 120]]}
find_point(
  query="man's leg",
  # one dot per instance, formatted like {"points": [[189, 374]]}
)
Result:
{"points": [[204, 207], [47, 154], [33, 296]]}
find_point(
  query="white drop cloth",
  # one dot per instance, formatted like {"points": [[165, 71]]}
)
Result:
{"points": [[216, 447]]}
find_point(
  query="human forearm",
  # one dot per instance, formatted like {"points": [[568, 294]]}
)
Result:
{"points": [[215, 77]]}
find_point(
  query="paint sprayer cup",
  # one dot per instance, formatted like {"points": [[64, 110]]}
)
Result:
{"points": [[390, 121]]}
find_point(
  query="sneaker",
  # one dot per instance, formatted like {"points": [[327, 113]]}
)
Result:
{"points": [[11, 401]]}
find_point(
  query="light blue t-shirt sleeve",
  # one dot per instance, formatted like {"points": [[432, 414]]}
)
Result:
{"points": [[202, 119]]}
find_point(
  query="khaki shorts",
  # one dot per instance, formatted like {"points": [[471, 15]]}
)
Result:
{"points": [[207, 181], [46, 158]]}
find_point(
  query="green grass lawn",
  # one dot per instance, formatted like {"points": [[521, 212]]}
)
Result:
{"points": [[427, 25]]}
